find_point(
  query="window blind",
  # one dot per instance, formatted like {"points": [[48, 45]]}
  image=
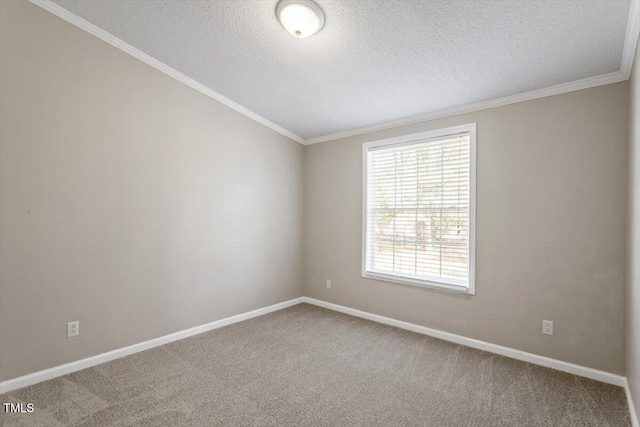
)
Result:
{"points": [[418, 210]]}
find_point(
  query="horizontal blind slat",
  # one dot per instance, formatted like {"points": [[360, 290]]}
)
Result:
{"points": [[418, 209]]}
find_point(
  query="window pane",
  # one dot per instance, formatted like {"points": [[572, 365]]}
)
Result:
{"points": [[405, 258], [418, 207]]}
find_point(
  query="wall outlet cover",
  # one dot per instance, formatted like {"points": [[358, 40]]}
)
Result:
{"points": [[73, 329]]}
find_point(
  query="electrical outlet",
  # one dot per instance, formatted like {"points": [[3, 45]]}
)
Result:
{"points": [[73, 329], [547, 327], [328, 284]]}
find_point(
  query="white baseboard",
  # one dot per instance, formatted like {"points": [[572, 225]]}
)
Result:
{"points": [[57, 371], [632, 409], [548, 362], [47, 374]]}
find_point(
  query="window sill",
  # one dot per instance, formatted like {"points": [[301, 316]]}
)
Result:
{"points": [[445, 287]]}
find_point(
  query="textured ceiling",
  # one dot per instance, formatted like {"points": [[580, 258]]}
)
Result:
{"points": [[375, 60]]}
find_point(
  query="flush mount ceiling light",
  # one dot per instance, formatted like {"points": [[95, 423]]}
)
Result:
{"points": [[301, 18]]}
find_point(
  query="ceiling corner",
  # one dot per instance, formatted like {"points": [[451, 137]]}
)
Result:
{"points": [[631, 38], [103, 35]]}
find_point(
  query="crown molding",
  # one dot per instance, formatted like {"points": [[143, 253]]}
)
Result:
{"points": [[628, 54], [630, 39], [587, 83], [60, 12]]}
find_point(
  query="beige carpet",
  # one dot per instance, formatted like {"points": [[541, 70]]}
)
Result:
{"points": [[309, 366]]}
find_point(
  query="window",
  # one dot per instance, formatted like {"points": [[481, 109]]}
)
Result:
{"points": [[419, 209]]}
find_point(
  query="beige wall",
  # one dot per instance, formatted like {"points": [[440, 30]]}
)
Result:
{"points": [[128, 201], [633, 254], [551, 225]]}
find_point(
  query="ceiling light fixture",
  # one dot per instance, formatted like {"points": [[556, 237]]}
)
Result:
{"points": [[301, 18]]}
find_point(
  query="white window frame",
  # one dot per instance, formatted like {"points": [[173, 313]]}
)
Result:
{"points": [[415, 138]]}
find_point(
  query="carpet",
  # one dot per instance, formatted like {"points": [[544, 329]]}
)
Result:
{"points": [[308, 366]]}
